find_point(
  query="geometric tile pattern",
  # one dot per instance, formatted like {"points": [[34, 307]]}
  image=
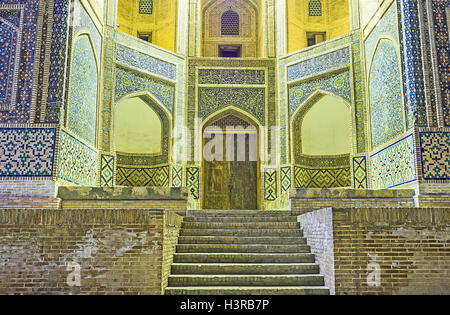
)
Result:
{"points": [[203, 101], [58, 61], [232, 76], [77, 162], [321, 178], [27, 152], [128, 81], [270, 185], [435, 155], [338, 84], [23, 15], [143, 177], [107, 169], [212, 99], [385, 88], [145, 62], [394, 165], [326, 62], [9, 56], [285, 179], [177, 176], [82, 103], [412, 57], [193, 181], [360, 172], [442, 53], [387, 25]]}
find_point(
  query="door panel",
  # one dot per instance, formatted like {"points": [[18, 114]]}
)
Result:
{"points": [[231, 184]]}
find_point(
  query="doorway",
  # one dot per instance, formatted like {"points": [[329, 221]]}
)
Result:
{"points": [[230, 178]]}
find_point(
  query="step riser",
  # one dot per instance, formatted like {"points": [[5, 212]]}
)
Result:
{"points": [[252, 225], [241, 232], [228, 219], [241, 240], [243, 258], [247, 291], [242, 249], [204, 213], [181, 281], [250, 269]]}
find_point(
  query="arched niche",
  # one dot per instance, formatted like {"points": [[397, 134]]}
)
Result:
{"points": [[322, 127], [387, 113], [322, 142], [142, 131], [83, 89], [246, 39]]}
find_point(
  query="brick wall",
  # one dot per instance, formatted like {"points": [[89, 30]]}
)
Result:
{"points": [[306, 200], [35, 194], [177, 206], [410, 248], [318, 229], [172, 226], [117, 251]]}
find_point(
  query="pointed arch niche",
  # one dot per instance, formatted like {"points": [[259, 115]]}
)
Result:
{"points": [[321, 137], [142, 136], [231, 26]]}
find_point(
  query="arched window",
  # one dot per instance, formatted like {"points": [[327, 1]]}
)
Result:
{"points": [[315, 8], [145, 6], [230, 23]]}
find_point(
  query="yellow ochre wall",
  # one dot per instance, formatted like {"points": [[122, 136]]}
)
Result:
{"points": [[326, 128], [162, 22], [137, 128], [335, 21]]}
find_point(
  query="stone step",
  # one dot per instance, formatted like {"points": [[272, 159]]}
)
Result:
{"points": [[241, 290], [241, 232], [240, 225], [241, 248], [248, 269], [242, 280], [203, 213], [240, 219], [243, 258], [264, 240]]}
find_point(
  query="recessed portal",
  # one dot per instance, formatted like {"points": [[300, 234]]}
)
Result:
{"points": [[230, 51], [230, 163]]}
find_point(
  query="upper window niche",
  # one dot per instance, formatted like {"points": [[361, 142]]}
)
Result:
{"points": [[312, 22], [152, 21], [230, 23], [315, 8], [145, 6]]}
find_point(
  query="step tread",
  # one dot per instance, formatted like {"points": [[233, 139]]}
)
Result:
{"points": [[249, 290], [195, 276]]}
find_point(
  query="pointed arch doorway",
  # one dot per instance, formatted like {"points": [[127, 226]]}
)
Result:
{"points": [[230, 164]]}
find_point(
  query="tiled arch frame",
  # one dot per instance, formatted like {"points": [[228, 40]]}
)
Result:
{"points": [[253, 122], [166, 121], [303, 109]]}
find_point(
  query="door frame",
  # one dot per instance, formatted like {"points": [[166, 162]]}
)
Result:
{"points": [[258, 162]]}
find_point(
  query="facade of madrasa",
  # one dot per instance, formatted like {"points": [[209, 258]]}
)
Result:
{"points": [[117, 116]]}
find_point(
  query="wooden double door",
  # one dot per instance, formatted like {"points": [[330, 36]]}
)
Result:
{"points": [[232, 183]]}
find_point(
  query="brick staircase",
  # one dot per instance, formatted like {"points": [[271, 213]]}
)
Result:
{"points": [[243, 253]]}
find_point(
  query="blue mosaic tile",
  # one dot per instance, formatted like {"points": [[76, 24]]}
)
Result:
{"points": [[27, 152]]}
